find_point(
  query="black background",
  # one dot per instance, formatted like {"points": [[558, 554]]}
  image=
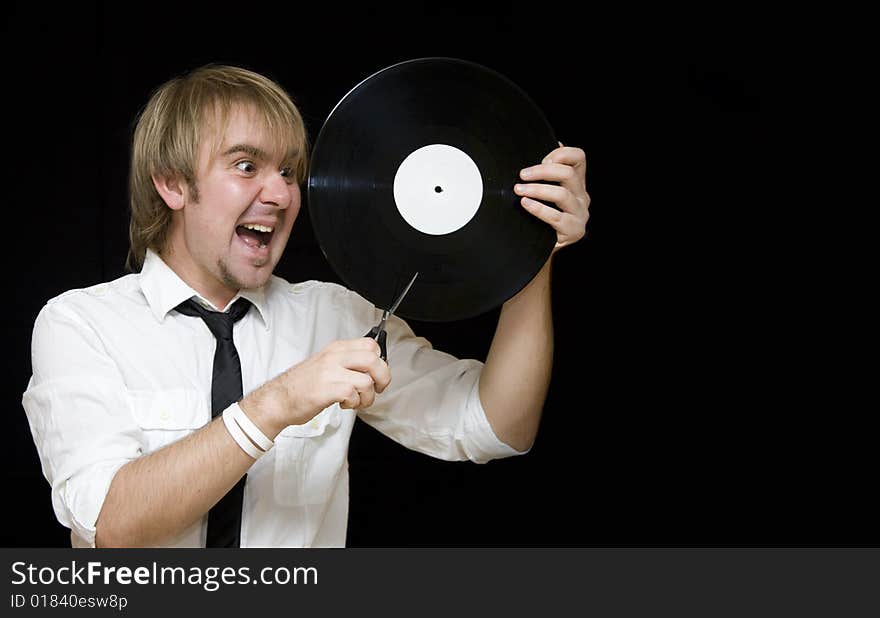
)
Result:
{"points": [[680, 410]]}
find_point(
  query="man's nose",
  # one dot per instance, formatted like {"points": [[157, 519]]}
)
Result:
{"points": [[277, 191]]}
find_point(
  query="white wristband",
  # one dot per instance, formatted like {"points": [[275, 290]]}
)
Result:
{"points": [[238, 435], [250, 429]]}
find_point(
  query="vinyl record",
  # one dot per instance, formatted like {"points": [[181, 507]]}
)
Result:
{"points": [[414, 171]]}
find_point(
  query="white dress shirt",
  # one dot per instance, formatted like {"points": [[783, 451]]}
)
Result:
{"points": [[117, 374]]}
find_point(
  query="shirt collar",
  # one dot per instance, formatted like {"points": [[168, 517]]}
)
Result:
{"points": [[164, 290]]}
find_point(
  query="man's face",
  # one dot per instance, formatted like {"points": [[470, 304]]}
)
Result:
{"points": [[234, 224]]}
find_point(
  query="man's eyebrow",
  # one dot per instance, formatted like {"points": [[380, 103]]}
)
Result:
{"points": [[247, 149]]}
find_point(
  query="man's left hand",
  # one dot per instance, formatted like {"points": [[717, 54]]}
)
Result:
{"points": [[568, 167]]}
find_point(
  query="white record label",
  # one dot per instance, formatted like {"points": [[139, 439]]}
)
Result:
{"points": [[438, 189]]}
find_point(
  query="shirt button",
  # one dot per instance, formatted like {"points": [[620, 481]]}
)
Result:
{"points": [[163, 415], [295, 288]]}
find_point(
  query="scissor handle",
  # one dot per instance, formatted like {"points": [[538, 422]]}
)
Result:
{"points": [[380, 337]]}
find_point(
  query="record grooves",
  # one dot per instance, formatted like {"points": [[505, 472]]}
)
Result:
{"points": [[414, 171]]}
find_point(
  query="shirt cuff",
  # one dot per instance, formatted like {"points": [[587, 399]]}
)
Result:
{"points": [[483, 444], [78, 501]]}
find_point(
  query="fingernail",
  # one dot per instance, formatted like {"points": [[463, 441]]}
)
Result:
{"points": [[526, 173], [518, 188]]}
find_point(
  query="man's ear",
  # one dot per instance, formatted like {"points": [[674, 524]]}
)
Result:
{"points": [[172, 190]]}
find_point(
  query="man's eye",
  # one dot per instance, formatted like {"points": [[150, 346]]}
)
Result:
{"points": [[288, 174], [246, 166]]}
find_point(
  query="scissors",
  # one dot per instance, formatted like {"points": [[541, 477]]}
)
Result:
{"points": [[378, 332]]}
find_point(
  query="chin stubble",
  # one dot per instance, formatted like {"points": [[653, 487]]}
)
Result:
{"points": [[230, 280]]}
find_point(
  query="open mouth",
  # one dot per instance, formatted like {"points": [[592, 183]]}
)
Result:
{"points": [[254, 235]]}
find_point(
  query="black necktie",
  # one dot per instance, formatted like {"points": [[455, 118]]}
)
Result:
{"points": [[224, 518]]}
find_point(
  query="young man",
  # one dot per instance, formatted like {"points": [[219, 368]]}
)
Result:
{"points": [[127, 374]]}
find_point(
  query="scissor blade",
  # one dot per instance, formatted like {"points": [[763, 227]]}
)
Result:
{"points": [[402, 294]]}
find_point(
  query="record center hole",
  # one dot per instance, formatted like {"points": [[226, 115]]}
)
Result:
{"points": [[438, 189]]}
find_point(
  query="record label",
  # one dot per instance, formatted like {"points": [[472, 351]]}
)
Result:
{"points": [[438, 189]]}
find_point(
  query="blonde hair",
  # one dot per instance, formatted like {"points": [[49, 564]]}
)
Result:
{"points": [[170, 130]]}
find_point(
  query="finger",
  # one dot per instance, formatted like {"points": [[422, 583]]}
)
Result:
{"points": [[346, 346], [362, 380], [380, 374], [569, 176], [364, 343], [560, 196], [545, 213], [361, 360], [366, 398], [567, 155], [349, 399], [363, 384], [381, 380], [365, 362]]}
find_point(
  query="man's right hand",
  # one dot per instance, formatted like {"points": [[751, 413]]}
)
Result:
{"points": [[347, 372]]}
